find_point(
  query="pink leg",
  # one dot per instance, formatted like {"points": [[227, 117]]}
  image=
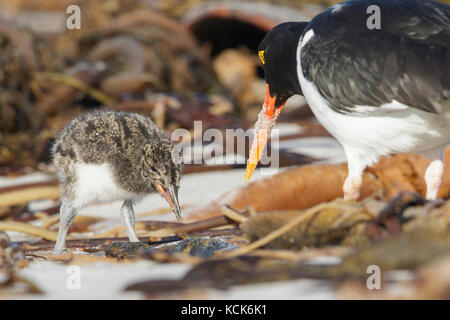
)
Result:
{"points": [[353, 182], [352, 188], [433, 178]]}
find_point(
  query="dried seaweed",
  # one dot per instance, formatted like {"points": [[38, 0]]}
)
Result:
{"points": [[328, 225], [405, 251], [13, 258]]}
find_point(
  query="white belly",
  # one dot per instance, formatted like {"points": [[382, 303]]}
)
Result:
{"points": [[95, 183], [391, 128]]}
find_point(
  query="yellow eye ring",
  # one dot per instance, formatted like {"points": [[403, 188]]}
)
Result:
{"points": [[261, 56]]}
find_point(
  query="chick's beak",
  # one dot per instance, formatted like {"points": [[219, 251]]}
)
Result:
{"points": [[171, 195], [263, 126]]}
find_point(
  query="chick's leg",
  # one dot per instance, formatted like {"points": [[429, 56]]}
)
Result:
{"points": [[127, 215], [66, 215]]}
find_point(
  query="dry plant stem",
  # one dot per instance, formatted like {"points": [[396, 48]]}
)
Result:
{"points": [[141, 226], [156, 212], [304, 255], [277, 254], [232, 214], [251, 211], [29, 185], [61, 96], [197, 226], [159, 233], [32, 216], [204, 224], [159, 114], [78, 84], [26, 195], [277, 233], [66, 257], [49, 221], [219, 232], [140, 230], [114, 232], [133, 105], [29, 229], [42, 216], [153, 225]]}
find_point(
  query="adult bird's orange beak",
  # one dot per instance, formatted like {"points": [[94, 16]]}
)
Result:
{"points": [[263, 126]]}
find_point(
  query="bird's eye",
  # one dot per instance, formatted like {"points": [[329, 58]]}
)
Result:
{"points": [[153, 169]]}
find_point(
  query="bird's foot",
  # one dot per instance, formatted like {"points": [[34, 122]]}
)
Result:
{"points": [[433, 178], [133, 237], [432, 191], [352, 188], [351, 196], [60, 251]]}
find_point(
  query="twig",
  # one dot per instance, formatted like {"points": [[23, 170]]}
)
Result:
{"points": [[277, 254], [26, 195], [29, 185], [78, 84], [219, 232], [29, 229], [141, 105], [49, 221], [277, 233], [204, 224], [65, 257], [251, 211], [30, 216], [305, 255], [158, 212], [233, 214], [61, 96]]}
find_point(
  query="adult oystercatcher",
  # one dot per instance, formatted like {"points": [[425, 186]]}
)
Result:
{"points": [[379, 90]]}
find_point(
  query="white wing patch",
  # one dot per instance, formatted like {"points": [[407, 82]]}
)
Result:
{"points": [[384, 109]]}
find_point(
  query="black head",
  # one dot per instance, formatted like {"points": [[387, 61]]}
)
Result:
{"points": [[278, 51], [278, 54]]}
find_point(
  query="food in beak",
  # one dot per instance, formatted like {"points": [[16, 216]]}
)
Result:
{"points": [[263, 127], [171, 195]]}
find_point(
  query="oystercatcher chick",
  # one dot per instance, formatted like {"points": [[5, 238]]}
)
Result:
{"points": [[108, 156], [378, 91]]}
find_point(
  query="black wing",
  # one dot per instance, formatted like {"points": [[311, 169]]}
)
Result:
{"points": [[408, 59]]}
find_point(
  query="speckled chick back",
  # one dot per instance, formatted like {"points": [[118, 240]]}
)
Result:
{"points": [[137, 150]]}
